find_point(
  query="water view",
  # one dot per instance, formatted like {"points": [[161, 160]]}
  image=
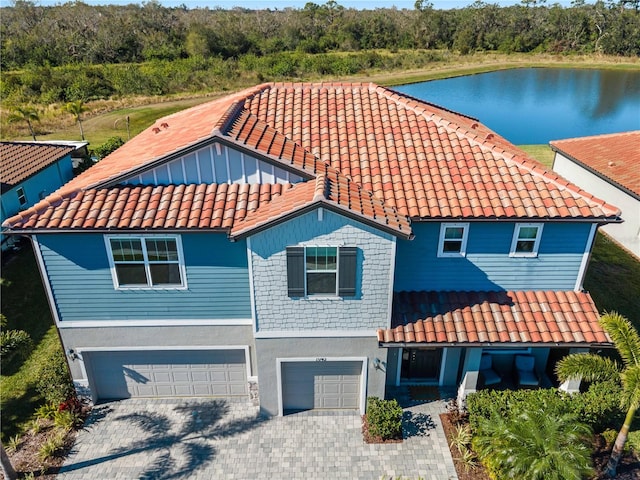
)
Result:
{"points": [[536, 105]]}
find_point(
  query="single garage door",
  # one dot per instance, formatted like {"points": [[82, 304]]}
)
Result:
{"points": [[184, 373], [318, 385]]}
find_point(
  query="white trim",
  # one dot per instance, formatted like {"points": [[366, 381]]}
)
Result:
{"points": [[363, 375], [392, 270], [45, 280], [212, 160], [198, 173], [315, 333], [536, 241], [463, 240], [399, 367], [181, 266], [153, 323], [254, 315], [582, 271]]}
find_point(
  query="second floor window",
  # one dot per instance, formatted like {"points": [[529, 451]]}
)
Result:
{"points": [[526, 240], [146, 262], [321, 271], [22, 197], [453, 240]]}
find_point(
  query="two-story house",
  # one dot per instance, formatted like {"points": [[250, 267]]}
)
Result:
{"points": [[310, 245]]}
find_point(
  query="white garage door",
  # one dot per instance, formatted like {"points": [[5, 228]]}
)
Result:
{"points": [[318, 385], [184, 373]]}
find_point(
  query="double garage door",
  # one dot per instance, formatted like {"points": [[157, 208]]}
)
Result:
{"points": [[183, 373], [321, 385]]}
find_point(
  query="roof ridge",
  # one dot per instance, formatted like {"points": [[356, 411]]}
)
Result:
{"points": [[593, 137]]}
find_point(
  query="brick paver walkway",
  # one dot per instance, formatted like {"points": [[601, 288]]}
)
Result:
{"points": [[207, 438]]}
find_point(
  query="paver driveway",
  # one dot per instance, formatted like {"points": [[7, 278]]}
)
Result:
{"points": [[208, 438]]}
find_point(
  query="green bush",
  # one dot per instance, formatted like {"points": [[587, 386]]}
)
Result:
{"points": [[599, 406], [111, 145], [14, 343], [54, 383], [384, 418]]}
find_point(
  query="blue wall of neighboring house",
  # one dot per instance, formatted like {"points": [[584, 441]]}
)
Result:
{"points": [[368, 309], [214, 163], [217, 277], [47, 180], [487, 265]]}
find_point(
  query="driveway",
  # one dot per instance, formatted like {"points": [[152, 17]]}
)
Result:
{"points": [[218, 439]]}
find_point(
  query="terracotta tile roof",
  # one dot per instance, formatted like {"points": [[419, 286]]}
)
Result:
{"points": [[421, 160], [330, 190], [150, 207], [21, 160], [530, 317], [615, 156]]}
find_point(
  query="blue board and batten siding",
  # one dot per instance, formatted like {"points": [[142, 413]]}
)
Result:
{"points": [[77, 266], [487, 265], [215, 163], [367, 310]]}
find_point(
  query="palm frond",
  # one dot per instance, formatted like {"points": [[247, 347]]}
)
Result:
{"points": [[587, 366], [624, 336]]}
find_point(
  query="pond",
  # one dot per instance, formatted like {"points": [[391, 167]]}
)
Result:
{"points": [[536, 105]]}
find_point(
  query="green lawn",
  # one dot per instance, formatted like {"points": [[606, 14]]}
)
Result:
{"points": [[25, 305]]}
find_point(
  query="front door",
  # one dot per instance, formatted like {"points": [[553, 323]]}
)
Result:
{"points": [[421, 365]]}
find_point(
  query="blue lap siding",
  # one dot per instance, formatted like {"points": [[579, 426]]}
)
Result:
{"points": [[217, 278]]}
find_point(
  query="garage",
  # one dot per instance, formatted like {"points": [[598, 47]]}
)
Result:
{"points": [[321, 385], [181, 373]]}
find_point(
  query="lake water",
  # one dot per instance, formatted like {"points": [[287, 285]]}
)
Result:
{"points": [[536, 105]]}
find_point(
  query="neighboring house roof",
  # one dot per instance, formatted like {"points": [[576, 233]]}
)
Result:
{"points": [[21, 160], [616, 157], [401, 156], [485, 318]]}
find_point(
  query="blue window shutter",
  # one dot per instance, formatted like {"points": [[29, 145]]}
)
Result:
{"points": [[295, 271], [347, 271]]}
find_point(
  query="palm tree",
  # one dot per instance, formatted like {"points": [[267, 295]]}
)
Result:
{"points": [[76, 109], [7, 469], [535, 445], [25, 114], [593, 368]]}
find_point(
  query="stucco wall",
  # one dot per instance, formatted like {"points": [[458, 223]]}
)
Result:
{"points": [[269, 350], [368, 309]]}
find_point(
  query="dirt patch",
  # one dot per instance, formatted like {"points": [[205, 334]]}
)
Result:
{"points": [[628, 468], [369, 438], [26, 457], [464, 471]]}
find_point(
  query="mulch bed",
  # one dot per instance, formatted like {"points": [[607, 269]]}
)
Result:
{"points": [[463, 471], [368, 438]]}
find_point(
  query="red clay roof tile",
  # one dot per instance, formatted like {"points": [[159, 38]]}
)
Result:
{"points": [[21, 160], [566, 318]]}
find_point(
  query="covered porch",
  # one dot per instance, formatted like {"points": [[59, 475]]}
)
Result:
{"points": [[474, 340]]}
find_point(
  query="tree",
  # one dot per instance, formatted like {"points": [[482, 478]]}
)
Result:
{"points": [[76, 109], [7, 469], [535, 445], [25, 114], [592, 368]]}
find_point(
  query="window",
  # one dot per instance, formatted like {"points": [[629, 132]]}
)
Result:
{"points": [[526, 240], [140, 262], [453, 240], [22, 197], [321, 271]]}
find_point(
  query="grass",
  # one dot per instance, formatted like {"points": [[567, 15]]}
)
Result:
{"points": [[542, 153], [25, 306]]}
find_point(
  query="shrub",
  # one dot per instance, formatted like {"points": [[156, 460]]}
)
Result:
{"points": [[46, 411], [54, 383], [384, 418], [108, 147], [599, 406], [53, 445], [14, 343], [65, 420]]}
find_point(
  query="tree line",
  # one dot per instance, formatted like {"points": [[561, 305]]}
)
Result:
{"points": [[75, 32]]}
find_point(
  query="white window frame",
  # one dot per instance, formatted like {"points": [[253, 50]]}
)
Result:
{"points": [[536, 241], [22, 196], [463, 240], [337, 272], [148, 286]]}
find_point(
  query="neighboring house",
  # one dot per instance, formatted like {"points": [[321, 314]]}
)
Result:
{"points": [[29, 171], [309, 245], [609, 167]]}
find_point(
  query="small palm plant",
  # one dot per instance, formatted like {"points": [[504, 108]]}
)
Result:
{"points": [[535, 445], [25, 114], [76, 109], [591, 367]]}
